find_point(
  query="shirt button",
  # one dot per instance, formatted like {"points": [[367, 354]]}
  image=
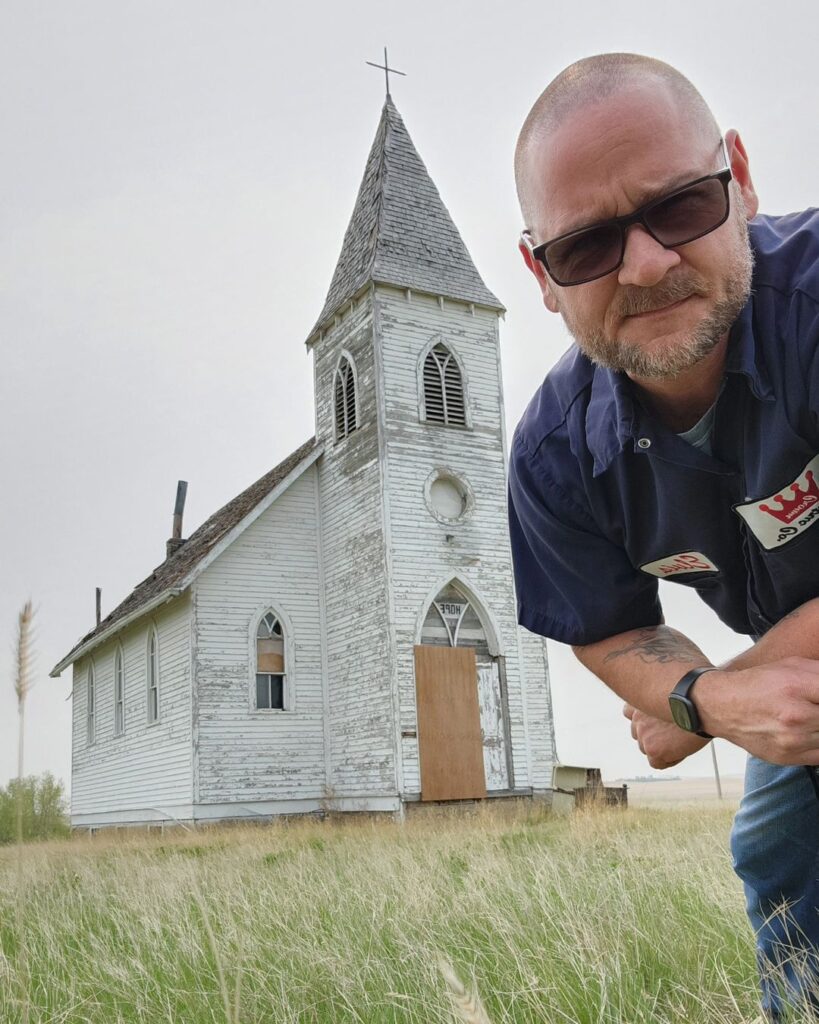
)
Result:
{"points": [[644, 442]]}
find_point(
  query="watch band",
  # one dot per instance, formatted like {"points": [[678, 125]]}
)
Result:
{"points": [[680, 695]]}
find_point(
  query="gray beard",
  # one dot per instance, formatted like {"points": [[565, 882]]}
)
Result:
{"points": [[626, 357]]}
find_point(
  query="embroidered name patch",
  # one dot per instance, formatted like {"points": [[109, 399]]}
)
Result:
{"points": [[782, 516], [676, 565]]}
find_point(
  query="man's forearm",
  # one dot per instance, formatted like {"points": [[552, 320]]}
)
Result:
{"points": [[643, 665], [765, 700], [797, 635]]}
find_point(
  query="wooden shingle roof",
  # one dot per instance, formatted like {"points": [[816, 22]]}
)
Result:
{"points": [[400, 232], [176, 570]]}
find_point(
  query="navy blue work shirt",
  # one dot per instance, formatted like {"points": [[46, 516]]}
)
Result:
{"points": [[605, 500]]}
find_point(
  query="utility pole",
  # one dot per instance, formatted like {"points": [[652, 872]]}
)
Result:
{"points": [[716, 769]]}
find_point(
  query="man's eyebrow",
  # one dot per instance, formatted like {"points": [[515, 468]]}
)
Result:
{"points": [[644, 197]]}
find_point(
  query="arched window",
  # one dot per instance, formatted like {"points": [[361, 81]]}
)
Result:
{"points": [[90, 703], [346, 420], [270, 667], [153, 676], [119, 694], [443, 388], [453, 621]]}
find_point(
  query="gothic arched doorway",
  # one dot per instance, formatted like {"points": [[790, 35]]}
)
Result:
{"points": [[462, 735]]}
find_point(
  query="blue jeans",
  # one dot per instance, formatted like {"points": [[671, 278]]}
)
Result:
{"points": [[775, 846]]}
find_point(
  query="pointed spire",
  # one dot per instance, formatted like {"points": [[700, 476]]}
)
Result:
{"points": [[400, 232]]}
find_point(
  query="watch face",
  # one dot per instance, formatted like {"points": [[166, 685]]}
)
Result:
{"points": [[681, 713]]}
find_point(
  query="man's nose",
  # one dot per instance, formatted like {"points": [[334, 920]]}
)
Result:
{"points": [[645, 261]]}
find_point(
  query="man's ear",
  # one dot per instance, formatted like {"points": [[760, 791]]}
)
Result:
{"points": [[741, 172], [537, 268]]}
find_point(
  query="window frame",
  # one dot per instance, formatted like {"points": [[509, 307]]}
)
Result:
{"points": [[119, 691], [345, 357], [448, 473], [91, 704], [432, 344], [152, 669], [288, 688]]}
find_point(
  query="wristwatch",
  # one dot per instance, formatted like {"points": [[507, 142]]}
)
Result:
{"points": [[683, 709]]}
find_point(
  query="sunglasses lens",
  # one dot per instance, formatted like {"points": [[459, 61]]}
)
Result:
{"points": [[689, 214], [585, 255]]}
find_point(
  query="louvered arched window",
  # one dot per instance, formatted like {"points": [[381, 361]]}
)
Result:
{"points": [[345, 404], [443, 388]]}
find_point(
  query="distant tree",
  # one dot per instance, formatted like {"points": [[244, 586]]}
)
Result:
{"points": [[43, 806]]}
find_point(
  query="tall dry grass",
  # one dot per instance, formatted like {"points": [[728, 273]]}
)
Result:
{"points": [[22, 686], [606, 917]]}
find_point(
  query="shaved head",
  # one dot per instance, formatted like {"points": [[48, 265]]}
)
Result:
{"points": [[589, 82]]}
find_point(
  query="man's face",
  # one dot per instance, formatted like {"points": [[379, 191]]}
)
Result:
{"points": [[663, 309]]}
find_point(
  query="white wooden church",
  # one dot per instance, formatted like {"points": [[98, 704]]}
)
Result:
{"points": [[343, 633]]}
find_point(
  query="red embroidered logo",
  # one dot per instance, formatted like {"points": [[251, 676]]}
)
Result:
{"points": [[776, 519], [683, 562], [793, 507]]}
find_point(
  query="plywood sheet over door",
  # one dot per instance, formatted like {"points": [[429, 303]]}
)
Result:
{"points": [[450, 750]]}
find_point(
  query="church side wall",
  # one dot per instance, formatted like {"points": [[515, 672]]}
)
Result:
{"points": [[425, 551], [362, 720], [244, 754], [144, 774], [538, 708]]}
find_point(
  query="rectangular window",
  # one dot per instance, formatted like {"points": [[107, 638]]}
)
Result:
{"points": [[119, 702], [269, 691], [91, 698], [153, 678]]}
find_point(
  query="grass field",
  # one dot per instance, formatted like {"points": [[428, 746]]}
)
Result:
{"points": [[606, 916], [695, 792]]}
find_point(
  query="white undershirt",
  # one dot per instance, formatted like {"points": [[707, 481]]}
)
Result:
{"points": [[700, 434]]}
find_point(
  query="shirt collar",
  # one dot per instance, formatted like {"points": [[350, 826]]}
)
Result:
{"points": [[745, 356], [611, 417]]}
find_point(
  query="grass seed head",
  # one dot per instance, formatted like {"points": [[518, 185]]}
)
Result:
{"points": [[467, 1005]]}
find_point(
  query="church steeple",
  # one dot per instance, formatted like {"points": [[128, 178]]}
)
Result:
{"points": [[400, 232]]}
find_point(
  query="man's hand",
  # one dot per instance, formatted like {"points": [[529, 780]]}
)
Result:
{"points": [[663, 743], [770, 710]]}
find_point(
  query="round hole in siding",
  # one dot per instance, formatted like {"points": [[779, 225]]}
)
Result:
{"points": [[448, 496]]}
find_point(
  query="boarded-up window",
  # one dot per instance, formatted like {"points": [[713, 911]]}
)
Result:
{"points": [[90, 704], [153, 677], [119, 694], [346, 421], [270, 668], [443, 388]]}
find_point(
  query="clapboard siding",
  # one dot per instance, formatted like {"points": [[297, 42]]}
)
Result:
{"points": [[149, 765], [425, 551], [538, 707], [243, 754], [362, 721]]}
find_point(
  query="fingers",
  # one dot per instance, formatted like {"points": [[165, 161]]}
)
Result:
{"points": [[661, 762], [628, 710]]}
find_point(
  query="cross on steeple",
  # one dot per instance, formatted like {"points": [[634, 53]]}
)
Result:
{"points": [[386, 69]]}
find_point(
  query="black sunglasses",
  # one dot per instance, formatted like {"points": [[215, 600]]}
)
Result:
{"points": [[687, 213]]}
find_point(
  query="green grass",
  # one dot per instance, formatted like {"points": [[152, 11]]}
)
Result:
{"points": [[605, 917]]}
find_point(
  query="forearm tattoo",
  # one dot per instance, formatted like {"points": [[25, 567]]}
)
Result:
{"points": [[659, 645]]}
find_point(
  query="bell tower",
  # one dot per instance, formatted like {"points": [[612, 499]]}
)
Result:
{"points": [[409, 406]]}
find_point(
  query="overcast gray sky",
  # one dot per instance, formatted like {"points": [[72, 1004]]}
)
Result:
{"points": [[175, 184]]}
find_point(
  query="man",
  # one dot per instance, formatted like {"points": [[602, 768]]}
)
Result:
{"points": [[679, 438]]}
